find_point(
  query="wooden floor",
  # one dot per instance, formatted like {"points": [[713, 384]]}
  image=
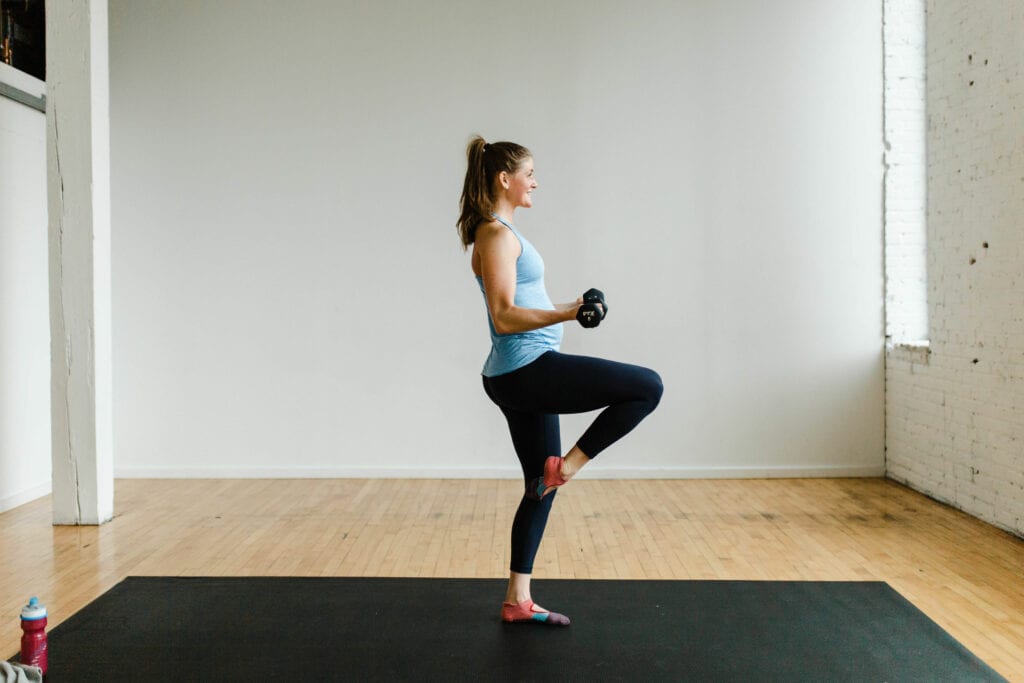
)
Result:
{"points": [[963, 573]]}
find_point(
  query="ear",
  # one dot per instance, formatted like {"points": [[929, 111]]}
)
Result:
{"points": [[503, 179]]}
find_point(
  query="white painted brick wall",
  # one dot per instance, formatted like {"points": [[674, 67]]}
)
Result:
{"points": [[955, 413]]}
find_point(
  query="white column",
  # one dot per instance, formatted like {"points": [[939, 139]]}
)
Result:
{"points": [[78, 170]]}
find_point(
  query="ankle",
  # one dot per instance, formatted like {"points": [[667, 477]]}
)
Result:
{"points": [[573, 463], [566, 471]]}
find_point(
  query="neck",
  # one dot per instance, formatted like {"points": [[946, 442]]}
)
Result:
{"points": [[505, 209]]}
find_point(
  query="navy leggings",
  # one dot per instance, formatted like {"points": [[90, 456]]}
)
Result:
{"points": [[532, 398]]}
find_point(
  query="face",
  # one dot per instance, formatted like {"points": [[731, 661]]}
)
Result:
{"points": [[521, 184]]}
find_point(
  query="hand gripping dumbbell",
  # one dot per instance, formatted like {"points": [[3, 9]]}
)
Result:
{"points": [[590, 314]]}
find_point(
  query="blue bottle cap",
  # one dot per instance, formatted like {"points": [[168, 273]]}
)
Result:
{"points": [[33, 610]]}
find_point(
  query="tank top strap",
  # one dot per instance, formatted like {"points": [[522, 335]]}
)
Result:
{"points": [[502, 221], [522, 247]]}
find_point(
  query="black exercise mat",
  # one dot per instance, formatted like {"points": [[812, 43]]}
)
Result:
{"points": [[355, 629]]}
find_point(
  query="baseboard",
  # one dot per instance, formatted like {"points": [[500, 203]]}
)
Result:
{"points": [[593, 472], [27, 496]]}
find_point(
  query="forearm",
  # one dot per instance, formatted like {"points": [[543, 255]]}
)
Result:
{"points": [[571, 306], [514, 319]]}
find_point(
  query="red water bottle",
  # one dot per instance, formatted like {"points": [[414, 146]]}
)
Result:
{"points": [[33, 637]]}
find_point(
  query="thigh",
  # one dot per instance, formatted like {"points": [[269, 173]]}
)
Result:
{"points": [[564, 383], [535, 437]]}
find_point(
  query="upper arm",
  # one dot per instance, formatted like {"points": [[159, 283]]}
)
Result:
{"points": [[499, 249]]}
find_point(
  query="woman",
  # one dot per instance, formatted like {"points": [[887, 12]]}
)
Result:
{"points": [[525, 375]]}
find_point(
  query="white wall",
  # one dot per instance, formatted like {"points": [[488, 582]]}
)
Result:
{"points": [[955, 418], [290, 297], [24, 299]]}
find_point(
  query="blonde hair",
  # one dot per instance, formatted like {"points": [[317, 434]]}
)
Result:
{"points": [[485, 161]]}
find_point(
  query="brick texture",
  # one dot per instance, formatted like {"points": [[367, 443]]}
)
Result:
{"points": [[955, 410]]}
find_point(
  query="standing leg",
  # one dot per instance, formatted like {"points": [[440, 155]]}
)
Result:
{"points": [[535, 436]]}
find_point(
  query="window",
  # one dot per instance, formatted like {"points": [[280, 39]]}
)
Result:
{"points": [[906, 283], [23, 36]]}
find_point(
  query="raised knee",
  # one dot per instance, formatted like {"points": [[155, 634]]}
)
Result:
{"points": [[655, 388]]}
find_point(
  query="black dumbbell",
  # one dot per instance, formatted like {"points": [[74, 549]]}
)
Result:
{"points": [[590, 314]]}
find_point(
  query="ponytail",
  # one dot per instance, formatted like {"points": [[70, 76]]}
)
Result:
{"points": [[484, 162]]}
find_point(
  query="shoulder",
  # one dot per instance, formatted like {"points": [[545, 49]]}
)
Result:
{"points": [[493, 233], [490, 230], [494, 238]]}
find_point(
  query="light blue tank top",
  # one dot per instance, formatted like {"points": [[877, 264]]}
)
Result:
{"points": [[512, 351]]}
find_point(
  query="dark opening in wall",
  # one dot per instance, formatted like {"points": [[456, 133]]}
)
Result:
{"points": [[23, 36]]}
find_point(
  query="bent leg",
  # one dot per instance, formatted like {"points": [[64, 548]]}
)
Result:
{"points": [[560, 383]]}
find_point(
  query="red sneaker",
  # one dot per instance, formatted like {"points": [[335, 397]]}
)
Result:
{"points": [[523, 612], [552, 479]]}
